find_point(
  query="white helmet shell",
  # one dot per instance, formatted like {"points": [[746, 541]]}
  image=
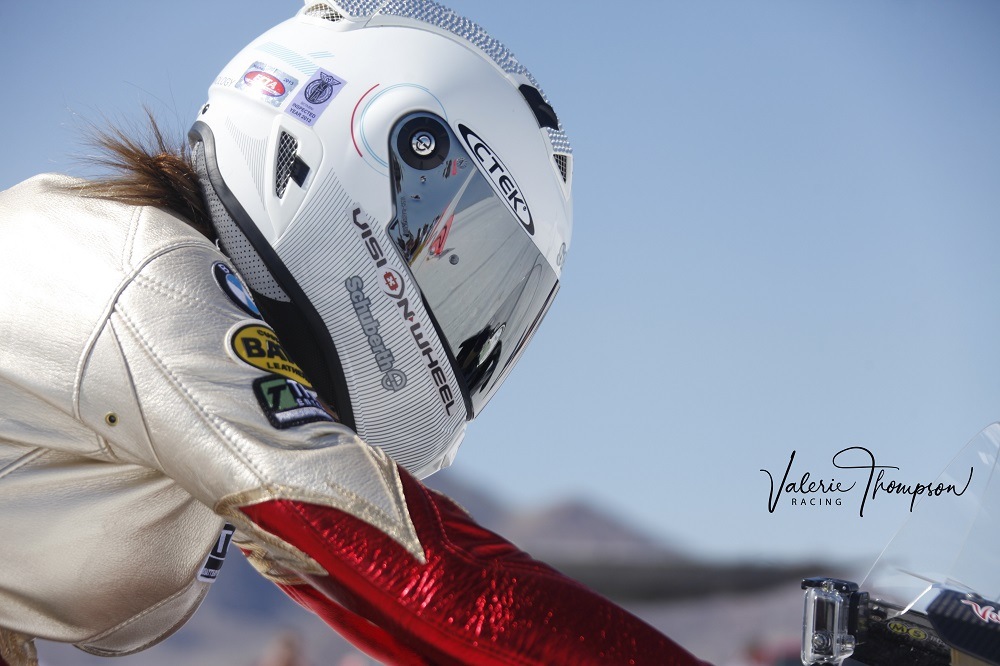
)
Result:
{"points": [[363, 171]]}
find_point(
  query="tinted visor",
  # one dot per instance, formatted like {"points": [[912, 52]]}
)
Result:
{"points": [[484, 281]]}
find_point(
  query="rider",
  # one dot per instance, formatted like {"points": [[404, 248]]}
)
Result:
{"points": [[369, 227]]}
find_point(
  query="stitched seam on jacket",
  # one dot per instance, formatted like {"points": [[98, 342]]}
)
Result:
{"points": [[83, 645], [88, 348], [26, 459], [214, 422], [170, 291]]}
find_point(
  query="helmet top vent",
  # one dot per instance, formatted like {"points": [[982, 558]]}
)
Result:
{"points": [[323, 11]]}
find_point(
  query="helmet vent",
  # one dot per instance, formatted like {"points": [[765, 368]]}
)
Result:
{"points": [[288, 146], [562, 162], [544, 113], [323, 11]]}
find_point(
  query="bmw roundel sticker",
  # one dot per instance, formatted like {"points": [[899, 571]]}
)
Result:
{"points": [[233, 287]]}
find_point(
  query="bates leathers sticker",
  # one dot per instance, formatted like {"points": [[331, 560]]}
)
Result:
{"points": [[233, 287], [315, 96], [267, 83], [288, 403], [213, 563], [257, 345]]}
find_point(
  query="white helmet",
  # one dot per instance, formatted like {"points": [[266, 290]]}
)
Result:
{"points": [[395, 190]]}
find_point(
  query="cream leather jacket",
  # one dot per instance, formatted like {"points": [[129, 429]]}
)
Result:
{"points": [[140, 400]]}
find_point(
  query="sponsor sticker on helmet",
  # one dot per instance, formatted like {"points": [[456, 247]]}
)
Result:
{"points": [[232, 286], [257, 345], [499, 177], [394, 286], [267, 83], [287, 403], [315, 96], [393, 379], [392, 283]]}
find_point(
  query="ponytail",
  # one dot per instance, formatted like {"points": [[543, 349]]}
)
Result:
{"points": [[147, 170]]}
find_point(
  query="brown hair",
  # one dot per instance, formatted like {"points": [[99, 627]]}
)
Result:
{"points": [[147, 170]]}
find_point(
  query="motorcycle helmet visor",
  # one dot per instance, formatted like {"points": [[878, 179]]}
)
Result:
{"points": [[485, 282]]}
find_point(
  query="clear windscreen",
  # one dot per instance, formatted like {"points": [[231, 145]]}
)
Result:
{"points": [[949, 544]]}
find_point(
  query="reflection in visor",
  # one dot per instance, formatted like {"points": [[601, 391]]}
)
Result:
{"points": [[483, 279]]}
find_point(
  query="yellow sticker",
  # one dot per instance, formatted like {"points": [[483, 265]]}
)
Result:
{"points": [[258, 345]]}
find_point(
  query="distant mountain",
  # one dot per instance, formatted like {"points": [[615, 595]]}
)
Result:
{"points": [[577, 531], [572, 530]]}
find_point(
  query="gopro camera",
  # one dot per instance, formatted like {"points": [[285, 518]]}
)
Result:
{"points": [[833, 621]]}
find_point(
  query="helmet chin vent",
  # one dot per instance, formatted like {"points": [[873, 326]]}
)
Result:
{"points": [[288, 146], [323, 11]]}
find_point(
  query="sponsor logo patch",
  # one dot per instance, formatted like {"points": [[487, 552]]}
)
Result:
{"points": [[233, 287], [258, 345], [394, 286], [287, 403], [213, 563], [267, 83], [315, 96], [392, 282], [985, 613], [393, 379]]}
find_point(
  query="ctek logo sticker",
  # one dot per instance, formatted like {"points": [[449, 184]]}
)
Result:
{"points": [[258, 345], [501, 180]]}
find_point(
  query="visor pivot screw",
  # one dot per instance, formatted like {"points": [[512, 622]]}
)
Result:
{"points": [[423, 143]]}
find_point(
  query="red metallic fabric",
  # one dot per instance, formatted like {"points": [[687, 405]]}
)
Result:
{"points": [[372, 640], [477, 600]]}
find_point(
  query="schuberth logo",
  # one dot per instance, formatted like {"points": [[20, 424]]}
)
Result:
{"points": [[394, 286], [501, 180], [392, 378]]}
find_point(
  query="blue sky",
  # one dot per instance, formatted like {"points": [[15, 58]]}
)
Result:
{"points": [[786, 238]]}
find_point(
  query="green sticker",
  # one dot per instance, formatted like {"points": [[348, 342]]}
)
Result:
{"points": [[288, 403]]}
